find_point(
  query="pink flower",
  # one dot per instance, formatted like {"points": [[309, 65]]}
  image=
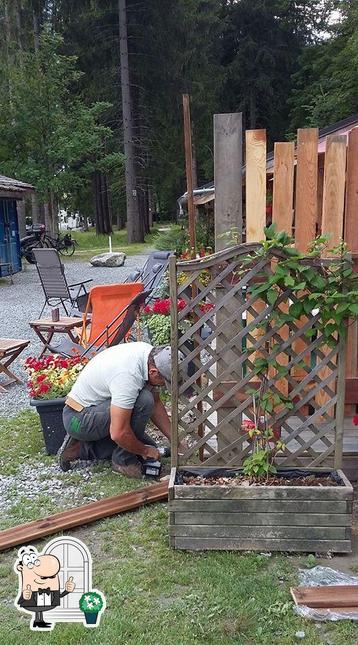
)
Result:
{"points": [[355, 419]]}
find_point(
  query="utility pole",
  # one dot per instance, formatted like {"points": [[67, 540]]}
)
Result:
{"points": [[134, 230]]}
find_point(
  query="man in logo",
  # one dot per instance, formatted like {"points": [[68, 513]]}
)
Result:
{"points": [[39, 584]]}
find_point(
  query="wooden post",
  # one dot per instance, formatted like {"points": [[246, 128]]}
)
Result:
{"points": [[255, 206], [189, 172], [228, 215], [306, 187], [255, 184], [228, 176], [332, 217], [305, 208], [282, 206], [351, 239], [282, 216]]}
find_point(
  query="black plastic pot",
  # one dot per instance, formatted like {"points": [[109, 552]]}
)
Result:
{"points": [[50, 413]]}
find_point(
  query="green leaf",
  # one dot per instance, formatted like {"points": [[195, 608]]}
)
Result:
{"points": [[295, 310], [353, 308], [272, 296], [270, 231], [289, 281]]}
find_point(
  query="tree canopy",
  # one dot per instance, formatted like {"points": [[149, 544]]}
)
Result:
{"points": [[284, 64]]}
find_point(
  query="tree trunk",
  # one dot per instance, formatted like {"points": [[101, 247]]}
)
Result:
{"points": [[100, 195], [133, 219], [36, 27]]}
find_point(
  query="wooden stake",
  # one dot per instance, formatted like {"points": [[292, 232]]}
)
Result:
{"points": [[189, 172]]}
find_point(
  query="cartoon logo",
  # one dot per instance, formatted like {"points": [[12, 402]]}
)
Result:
{"points": [[56, 584]]}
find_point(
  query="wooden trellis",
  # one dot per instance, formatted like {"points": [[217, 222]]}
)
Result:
{"points": [[208, 408]]}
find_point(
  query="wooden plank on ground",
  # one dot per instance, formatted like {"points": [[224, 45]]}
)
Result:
{"points": [[351, 239], [332, 215], [86, 514], [326, 596], [305, 208]]}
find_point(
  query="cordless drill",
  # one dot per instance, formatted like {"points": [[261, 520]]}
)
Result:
{"points": [[153, 467]]}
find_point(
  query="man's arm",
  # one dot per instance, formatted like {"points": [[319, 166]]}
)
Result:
{"points": [[122, 433], [160, 416]]}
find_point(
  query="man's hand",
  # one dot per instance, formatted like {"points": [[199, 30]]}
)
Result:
{"points": [[27, 593], [70, 585], [152, 453]]}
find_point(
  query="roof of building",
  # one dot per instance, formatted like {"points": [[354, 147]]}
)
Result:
{"points": [[206, 193], [14, 186]]}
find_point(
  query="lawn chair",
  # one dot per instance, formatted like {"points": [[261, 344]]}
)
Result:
{"points": [[152, 273], [114, 311], [56, 288]]}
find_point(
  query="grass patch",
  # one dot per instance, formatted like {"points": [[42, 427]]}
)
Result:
{"points": [[155, 594], [90, 243]]}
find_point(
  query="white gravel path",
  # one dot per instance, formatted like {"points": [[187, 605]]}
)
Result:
{"points": [[22, 301]]}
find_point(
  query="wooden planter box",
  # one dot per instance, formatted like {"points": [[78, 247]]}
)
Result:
{"points": [[261, 518]]}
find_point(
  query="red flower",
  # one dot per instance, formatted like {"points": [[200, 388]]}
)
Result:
{"points": [[248, 425], [44, 388], [355, 419], [41, 377]]}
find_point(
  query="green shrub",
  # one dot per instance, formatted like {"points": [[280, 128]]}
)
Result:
{"points": [[176, 239]]}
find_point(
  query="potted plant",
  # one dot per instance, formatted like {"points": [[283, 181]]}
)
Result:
{"points": [[91, 603], [50, 380]]}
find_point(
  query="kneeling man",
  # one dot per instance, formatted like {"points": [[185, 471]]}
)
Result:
{"points": [[109, 406]]}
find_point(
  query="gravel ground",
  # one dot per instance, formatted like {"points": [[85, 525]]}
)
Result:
{"points": [[22, 301]]}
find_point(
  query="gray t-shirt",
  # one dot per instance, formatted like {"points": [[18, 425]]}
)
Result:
{"points": [[118, 373]]}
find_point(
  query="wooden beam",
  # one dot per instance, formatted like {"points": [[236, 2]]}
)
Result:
{"points": [[351, 239], [228, 215], [282, 208], [86, 514], [228, 176], [326, 596], [255, 184], [306, 187], [282, 216], [189, 172], [305, 207], [332, 215]]}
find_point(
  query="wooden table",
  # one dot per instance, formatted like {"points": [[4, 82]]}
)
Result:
{"points": [[45, 328], [10, 348]]}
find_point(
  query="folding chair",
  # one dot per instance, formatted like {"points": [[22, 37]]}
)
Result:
{"points": [[114, 311], [152, 273], [55, 286]]}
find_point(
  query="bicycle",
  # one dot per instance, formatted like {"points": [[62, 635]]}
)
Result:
{"points": [[38, 238], [64, 244]]}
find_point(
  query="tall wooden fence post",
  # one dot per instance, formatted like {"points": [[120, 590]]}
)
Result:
{"points": [[351, 239], [228, 215]]}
